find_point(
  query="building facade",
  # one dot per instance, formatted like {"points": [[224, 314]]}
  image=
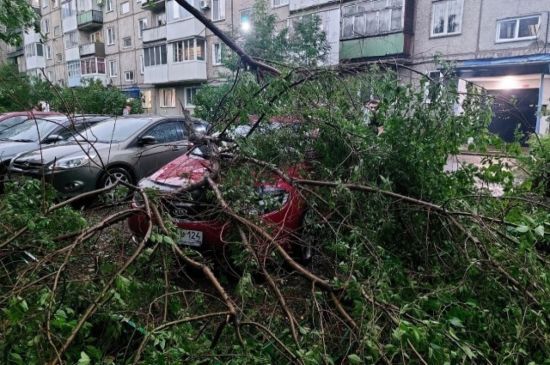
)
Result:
{"points": [[155, 50]]}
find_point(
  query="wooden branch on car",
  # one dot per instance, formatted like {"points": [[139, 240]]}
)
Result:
{"points": [[247, 59]]}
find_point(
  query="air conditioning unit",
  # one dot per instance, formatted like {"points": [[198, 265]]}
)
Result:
{"points": [[205, 4]]}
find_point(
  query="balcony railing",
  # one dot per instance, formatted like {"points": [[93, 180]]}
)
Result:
{"points": [[90, 20], [153, 5], [97, 49], [154, 34]]}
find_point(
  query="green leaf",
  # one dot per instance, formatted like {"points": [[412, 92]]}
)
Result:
{"points": [[84, 359], [354, 359], [456, 322], [540, 230], [522, 229]]}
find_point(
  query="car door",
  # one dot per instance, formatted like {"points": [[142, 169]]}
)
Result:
{"points": [[170, 142]]}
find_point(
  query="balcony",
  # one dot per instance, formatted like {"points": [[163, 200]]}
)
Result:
{"points": [[90, 20], [35, 62], [190, 27], [97, 49], [373, 47], [93, 77], [154, 34], [189, 71], [15, 51], [73, 81], [153, 5]]}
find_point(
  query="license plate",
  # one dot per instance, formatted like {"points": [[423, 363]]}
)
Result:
{"points": [[190, 238]]}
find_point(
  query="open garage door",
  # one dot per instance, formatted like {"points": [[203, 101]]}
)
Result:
{"points": [[514, 110]]}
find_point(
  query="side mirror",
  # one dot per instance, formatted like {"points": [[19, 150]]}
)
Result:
{"points": [[53, 138], [147, 140]]}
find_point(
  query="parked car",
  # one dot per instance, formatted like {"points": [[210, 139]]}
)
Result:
{"points": [[9, 119], [279, 204], [124, 148], [18, 136]]}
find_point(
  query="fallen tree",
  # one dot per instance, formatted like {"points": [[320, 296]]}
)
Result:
{"points": [[412, 264]]}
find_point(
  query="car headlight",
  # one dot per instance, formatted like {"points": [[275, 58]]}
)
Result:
{"points": [[271, 198], [71, 162]]}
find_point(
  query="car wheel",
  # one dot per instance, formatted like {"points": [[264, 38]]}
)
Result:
{"points": [[119, 193]]}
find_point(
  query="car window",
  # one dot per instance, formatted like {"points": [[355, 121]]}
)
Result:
{"points": [[31, 130], [115, 130], [9, 123], [167, 132], [70, 131]]}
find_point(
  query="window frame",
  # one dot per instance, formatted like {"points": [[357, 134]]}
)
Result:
{"points": [[163, 97], [145, 23], [192, 44], [124, 45], [518, 20], [109, 6], [352, 16], [446, 23], [115, 63], [221, 10], [217, 61], [122, 12], [273, 6], [111, 42], [126, 73], [185, 101], [156, 49]]}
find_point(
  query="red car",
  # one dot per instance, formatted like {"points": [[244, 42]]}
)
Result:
{"points": [[280, 205]]}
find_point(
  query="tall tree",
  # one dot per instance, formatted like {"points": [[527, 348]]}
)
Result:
{"points": [[15, 15]]}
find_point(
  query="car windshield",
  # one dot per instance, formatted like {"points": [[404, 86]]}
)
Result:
{"points": [[11, 122], [29, 130], [114, 130]]}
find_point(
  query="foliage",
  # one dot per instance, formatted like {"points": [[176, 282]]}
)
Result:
{"points": [[21, 92], [15, 15], [429, 266]]}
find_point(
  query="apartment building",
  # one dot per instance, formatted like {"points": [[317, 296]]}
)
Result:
{"points": [[155, 50], [500, 45]]}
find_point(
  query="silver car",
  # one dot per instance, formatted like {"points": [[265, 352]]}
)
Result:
{"points": [[124, 148]]}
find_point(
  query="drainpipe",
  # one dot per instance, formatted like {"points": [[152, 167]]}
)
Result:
{"points": [[539, 105]]}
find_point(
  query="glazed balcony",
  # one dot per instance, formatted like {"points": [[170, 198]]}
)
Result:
{"points": [[154, 5], [90, 20]]}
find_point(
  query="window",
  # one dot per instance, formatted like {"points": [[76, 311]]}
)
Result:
{"points": [[55, 3], [39, 50], [178, 12], [168, 98], [216, 54], [160, 19], [34, 49], [109, 5], [141, 65], [127, 42], [147, 99], [190, 93], [371, 18], [125, 7], [45, 3], [46, 26], [188, 50], [68, 9], [49, 52], [59, 57], [92, 65], [56, 30], [218, 10], [142, 26], [167, 132], [155, 55], [518, 29], [277, 3], [113, 68], [129, 75], [73, 68], [246, 20], [447, 17], [96, 37], [71, 40], [110, 36]]}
